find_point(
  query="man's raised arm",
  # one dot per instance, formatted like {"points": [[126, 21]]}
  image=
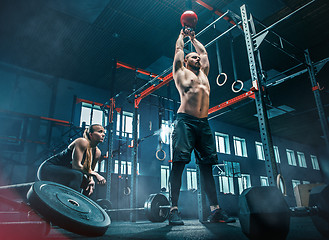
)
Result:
{"points": [[201, 50], [178, 63]]}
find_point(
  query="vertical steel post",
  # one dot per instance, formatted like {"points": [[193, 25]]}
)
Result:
{"points": [[134, 156], [133, 185], [72, 115], [319, 105], [201, 197], [109, 162], [256, 77]]}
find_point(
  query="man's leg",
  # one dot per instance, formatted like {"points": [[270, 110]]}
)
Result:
{"points": [[207, 179], [209, 184], [175, 182]]}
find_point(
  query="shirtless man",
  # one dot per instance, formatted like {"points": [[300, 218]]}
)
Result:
{"points": [[192, 131]]}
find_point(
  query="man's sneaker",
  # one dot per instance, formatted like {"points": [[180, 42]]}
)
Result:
{"points": [[175, 218], [219, 215]]}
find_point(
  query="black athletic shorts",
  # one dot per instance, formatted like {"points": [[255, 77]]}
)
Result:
{"points": [[192, 133]]}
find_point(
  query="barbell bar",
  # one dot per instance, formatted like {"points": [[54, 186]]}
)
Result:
{"points": [[156, 207]]}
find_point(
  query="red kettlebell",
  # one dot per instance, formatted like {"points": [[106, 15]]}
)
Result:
{"points": [[189, 19]]}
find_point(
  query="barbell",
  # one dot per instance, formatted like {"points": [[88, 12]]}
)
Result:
{"points": [[156, 207], [62, 205]]}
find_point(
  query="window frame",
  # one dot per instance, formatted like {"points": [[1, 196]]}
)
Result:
{"points": [[243, 145], [164, 179], [266, 180], [260, 151], [315, 162], [93, 108], [240, 182], [126, 115], [301, 159], [291, 157], [225, 143], [276, 154], [191, 179]]}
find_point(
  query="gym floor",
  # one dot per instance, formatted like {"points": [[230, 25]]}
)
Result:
{"points": [[300, 229]]}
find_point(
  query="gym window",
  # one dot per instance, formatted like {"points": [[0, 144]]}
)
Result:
{"points": [[291, 157], [276, 154], [260, 151], [125, 167], [226, 184], [232, 169], [301, 159], [244, 182], [222, 143], [315, 163], [295, 183], [127, 124], [100, 166], [165, 132], [263, 181], [92, 114], [240, 148], [191, 179], [165, 177]]}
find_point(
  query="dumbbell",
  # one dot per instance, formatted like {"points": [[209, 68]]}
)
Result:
{"points": [[264, 213]]}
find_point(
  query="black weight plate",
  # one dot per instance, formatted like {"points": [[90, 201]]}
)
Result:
{"points": [[104, 203], [152, 210], [319, 197], [68, 209]]}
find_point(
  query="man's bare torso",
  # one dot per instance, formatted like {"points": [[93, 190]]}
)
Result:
{"points": [[194, 90]]}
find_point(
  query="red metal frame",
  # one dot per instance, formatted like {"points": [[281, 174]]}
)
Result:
{"points": [[168, 78], [210, 8], [151, 89], [139, 70], [232, 101], [56, 120], [111, 106]]}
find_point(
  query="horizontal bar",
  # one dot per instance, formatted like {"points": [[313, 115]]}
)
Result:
{"points": [[165, 207], [217, 12], [91, 102], [139, 70], [206, 28], [55, 120], [58, 121], [282, 19], [17, 185], [232, 101], [21, 140], [221, 35], [124, 209], [151, 89]]}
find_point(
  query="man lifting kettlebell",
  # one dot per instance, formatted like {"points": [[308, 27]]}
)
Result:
{"points": [[191, 128]]}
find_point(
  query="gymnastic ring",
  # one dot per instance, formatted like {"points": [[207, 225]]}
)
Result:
{"points": [[126, 191], [221, 84], [164, 154], [237, 81], [278, 178]]}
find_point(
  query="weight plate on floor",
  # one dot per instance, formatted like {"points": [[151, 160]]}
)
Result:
{"points": [[68, 208], [319, 197], [152, 210], [104, 203]]}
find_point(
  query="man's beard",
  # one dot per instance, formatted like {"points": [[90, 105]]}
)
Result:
{"points": [[196, 67]]}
